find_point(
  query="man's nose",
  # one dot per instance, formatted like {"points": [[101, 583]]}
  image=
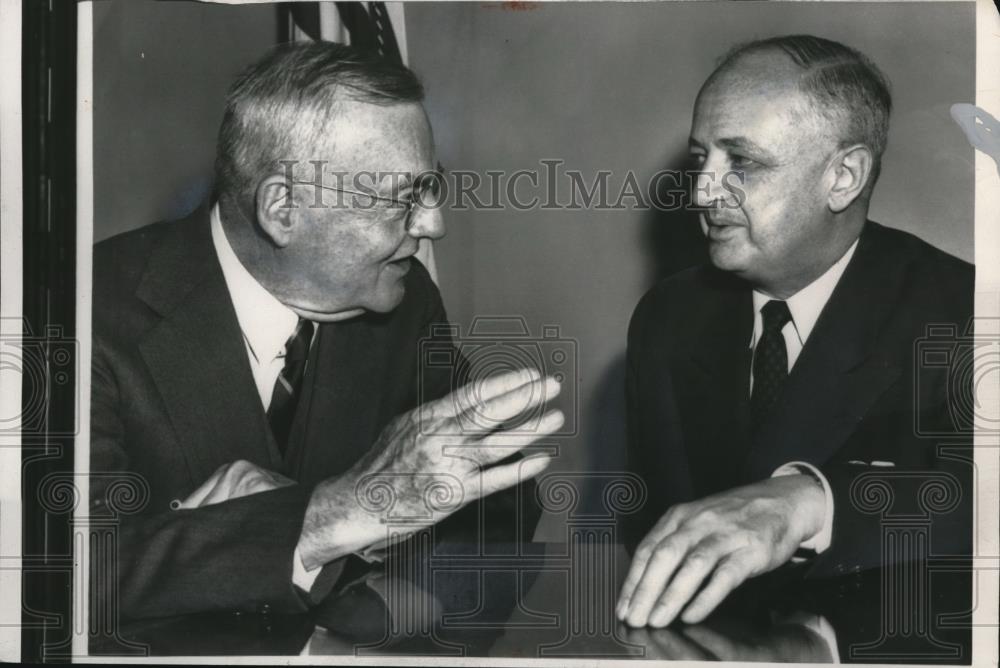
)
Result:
{"points": [[708, 185], [427, 222]]}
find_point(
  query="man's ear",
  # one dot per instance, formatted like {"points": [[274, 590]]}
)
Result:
{"points": [[851, 169], [276, 209]]}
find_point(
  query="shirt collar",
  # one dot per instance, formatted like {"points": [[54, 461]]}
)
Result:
{"points": [[265, 321], [806, 304]]}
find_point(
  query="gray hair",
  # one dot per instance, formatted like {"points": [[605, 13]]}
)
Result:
{"points": [[846, 87], [284, 104]]}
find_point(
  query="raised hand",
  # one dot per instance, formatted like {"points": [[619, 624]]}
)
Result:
{"points": [[429, 462]]}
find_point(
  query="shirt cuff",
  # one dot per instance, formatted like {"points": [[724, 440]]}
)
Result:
{"points": [[305, 579], [302, 578], [821, 541]]}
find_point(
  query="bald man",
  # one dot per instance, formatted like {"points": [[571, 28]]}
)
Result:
{"points": [[766, 383]]}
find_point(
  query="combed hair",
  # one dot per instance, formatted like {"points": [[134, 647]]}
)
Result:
{"points": [[845, 85], [281, 107]]}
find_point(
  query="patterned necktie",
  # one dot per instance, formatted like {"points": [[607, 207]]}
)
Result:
{"points": [[288, 385], [770, 361]]}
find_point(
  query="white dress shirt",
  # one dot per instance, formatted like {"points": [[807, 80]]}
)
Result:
{"points": [[267, 324], [805, 307]]}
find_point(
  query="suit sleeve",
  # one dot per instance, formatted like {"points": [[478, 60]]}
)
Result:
{"points": [[919, 507], [635, 525], [907, 493], [653, 442], [233, 556]]}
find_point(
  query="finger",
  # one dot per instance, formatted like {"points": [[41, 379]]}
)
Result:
{"points": [[728, 575], [500, 444], [643, 553], [667, 556], [698, 563], [507, 475], [666, 525], [491, 414], [475, 392], [635, 571]]}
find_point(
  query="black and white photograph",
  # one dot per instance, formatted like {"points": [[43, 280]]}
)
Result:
{"points": [[493, 332]]}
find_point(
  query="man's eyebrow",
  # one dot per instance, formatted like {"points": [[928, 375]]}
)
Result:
{"points": [[694, 143], [392, 183], [743, 144]]}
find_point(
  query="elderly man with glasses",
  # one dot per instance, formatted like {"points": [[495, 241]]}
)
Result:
{"points": [[257, 365]]}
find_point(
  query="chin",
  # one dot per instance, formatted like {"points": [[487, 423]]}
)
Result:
{"points": [[388, 299], [727, 257]]}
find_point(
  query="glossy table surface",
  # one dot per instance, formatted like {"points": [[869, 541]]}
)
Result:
{"points": [[557, 600]]}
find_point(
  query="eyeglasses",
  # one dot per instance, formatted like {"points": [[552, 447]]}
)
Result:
{"points": [[425, 192]]}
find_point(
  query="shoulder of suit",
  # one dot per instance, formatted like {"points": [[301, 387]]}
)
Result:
{"points": [[689, 286], [121, 264], [128, 250], [928, 268], [667, 306], [930, 273], [121, 261]]}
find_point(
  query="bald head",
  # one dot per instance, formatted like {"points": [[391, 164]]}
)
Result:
{"points": [[799, 124], [842, 93]]}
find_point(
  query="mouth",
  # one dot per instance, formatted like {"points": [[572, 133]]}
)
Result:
{"points": [[718, 229]]}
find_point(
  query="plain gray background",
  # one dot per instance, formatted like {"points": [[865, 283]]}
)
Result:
{"points": [[601, 86]]}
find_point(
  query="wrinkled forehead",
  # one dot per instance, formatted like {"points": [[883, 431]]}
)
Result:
{"points": [[758, 95], [378, 138]]}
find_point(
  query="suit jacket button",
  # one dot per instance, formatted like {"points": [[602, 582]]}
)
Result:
{"points": [[264, 608], [175, 504]]}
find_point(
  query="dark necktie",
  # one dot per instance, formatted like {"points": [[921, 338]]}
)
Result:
{"points": [[288, 385], [770, 361]]}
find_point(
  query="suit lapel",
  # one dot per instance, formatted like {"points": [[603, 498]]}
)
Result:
{"points": [[344, 399], [713, 374], [836, 378], [196, 354]]}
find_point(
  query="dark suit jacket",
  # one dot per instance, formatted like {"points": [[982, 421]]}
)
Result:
{"points": [[173, 398], [855, 395]]}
